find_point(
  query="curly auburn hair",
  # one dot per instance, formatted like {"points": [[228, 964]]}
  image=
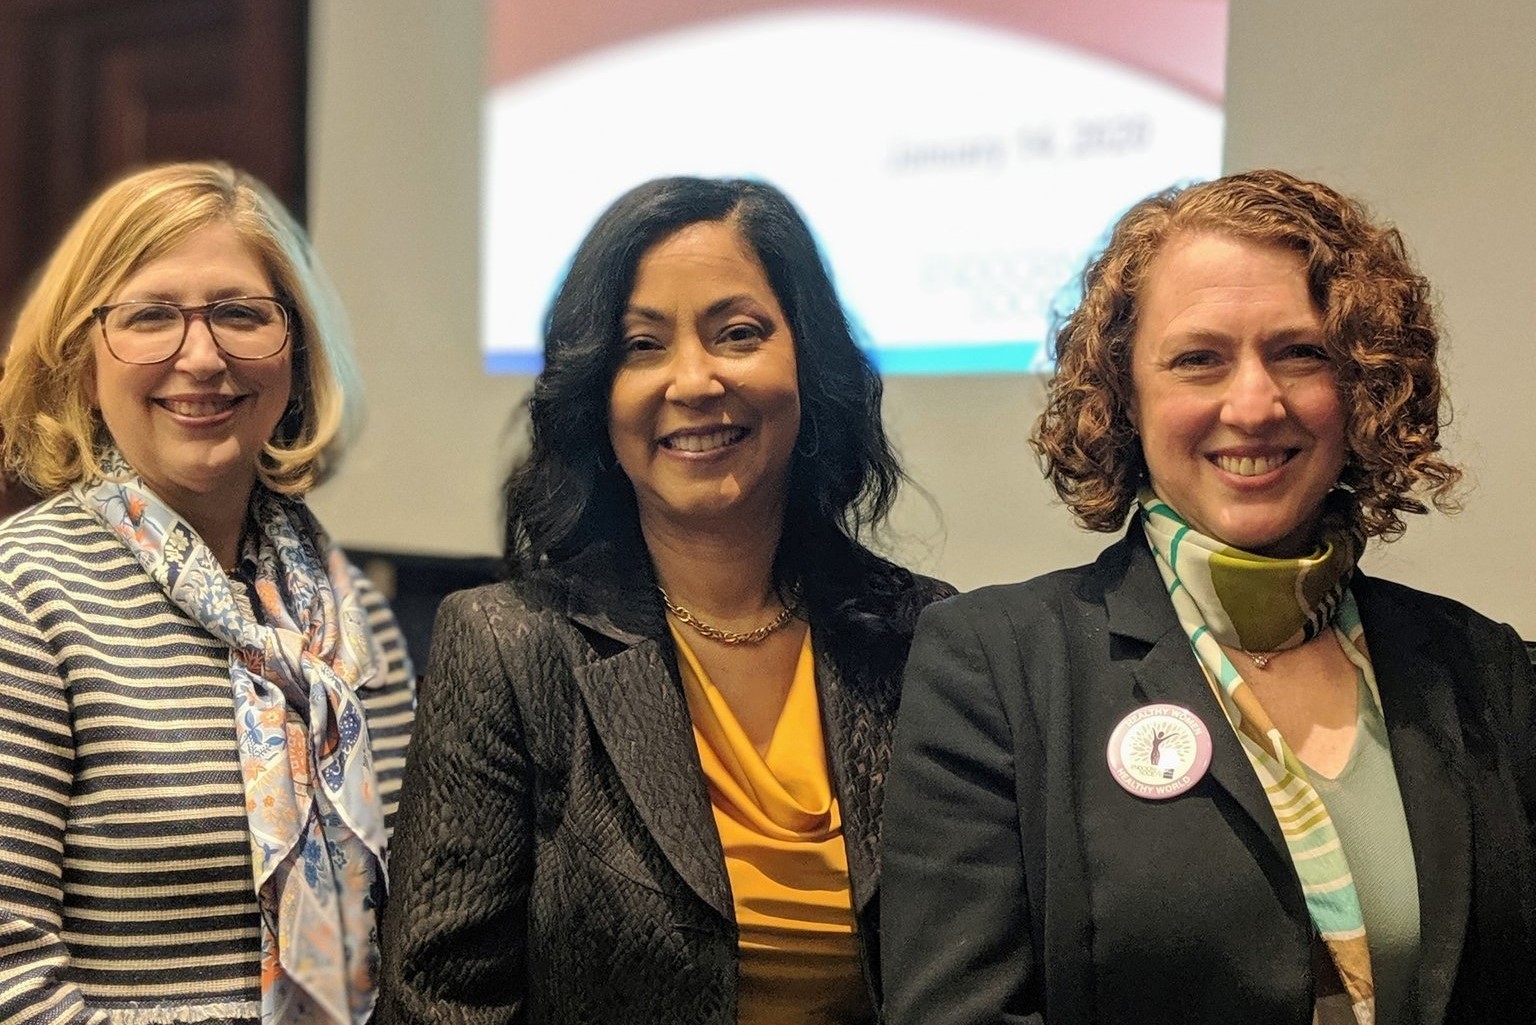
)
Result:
{"points": [[1380, 335]]}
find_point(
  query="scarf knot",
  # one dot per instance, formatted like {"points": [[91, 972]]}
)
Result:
{"points": [[299, 646]]}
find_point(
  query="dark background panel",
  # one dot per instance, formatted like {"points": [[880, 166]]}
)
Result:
{"points": [[90, 89]]}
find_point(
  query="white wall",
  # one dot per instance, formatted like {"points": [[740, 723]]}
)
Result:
{"points": [[1424, 109], [1428, 112], [394, 165]]}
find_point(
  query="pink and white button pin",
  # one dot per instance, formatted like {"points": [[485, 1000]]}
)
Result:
{"points": [[1159, 751]]}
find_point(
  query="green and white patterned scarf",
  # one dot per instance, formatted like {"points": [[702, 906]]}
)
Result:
{"points": [[1224, 595]]}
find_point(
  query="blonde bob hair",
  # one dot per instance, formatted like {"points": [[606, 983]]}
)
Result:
{"points": [[1378, 319], [51, 433]]}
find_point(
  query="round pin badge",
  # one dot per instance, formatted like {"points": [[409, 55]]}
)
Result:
{"points": [[1159, 751]]}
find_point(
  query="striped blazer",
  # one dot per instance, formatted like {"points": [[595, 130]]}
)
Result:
{"points": [[126, 888]]}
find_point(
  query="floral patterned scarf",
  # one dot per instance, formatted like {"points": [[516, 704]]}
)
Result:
{"points": [[1224, 595], [295, 663]]}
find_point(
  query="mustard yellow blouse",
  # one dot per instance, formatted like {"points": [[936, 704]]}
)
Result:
{"points": [[783, 838]]}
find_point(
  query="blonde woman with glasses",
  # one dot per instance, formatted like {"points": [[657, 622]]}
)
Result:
{"points": [[204, 708]]}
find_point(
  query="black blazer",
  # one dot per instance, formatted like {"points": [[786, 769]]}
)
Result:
{"points": [[556, 858], [1022, 884]]}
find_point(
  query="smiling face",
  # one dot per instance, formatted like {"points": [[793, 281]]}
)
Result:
{"points": [[193, 427], [1235, 398], [705, 406]]}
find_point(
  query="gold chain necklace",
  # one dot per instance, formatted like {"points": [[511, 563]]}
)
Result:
{"points": [[714, 633]]}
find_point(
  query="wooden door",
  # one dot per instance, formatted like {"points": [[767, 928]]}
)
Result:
{"points": [[90, 89]]}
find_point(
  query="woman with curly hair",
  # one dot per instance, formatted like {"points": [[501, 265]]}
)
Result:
{"points": [[1221, 774], [648, 776]]}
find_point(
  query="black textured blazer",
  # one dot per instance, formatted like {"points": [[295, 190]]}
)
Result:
{"points": [[555, 856], [1023, 885]]}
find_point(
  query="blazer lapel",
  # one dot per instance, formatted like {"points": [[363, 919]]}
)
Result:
{"points": [[1415, 668], [857, 726], [639, 711], [637, 706], [1139, 610]]}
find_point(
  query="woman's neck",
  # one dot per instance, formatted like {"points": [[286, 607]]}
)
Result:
{"points": [[722, 573], [219, 520]]}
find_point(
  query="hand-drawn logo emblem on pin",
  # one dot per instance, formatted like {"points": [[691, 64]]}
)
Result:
{"points": [[1159, 751]]}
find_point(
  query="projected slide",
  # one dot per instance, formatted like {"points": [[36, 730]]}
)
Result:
{"points": [[958, 160]]}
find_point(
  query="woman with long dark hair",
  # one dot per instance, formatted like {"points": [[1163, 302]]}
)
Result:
{"points": [[649, 767]]}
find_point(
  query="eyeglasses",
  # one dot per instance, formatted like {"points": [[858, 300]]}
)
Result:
{"points": [[244, 327]]}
